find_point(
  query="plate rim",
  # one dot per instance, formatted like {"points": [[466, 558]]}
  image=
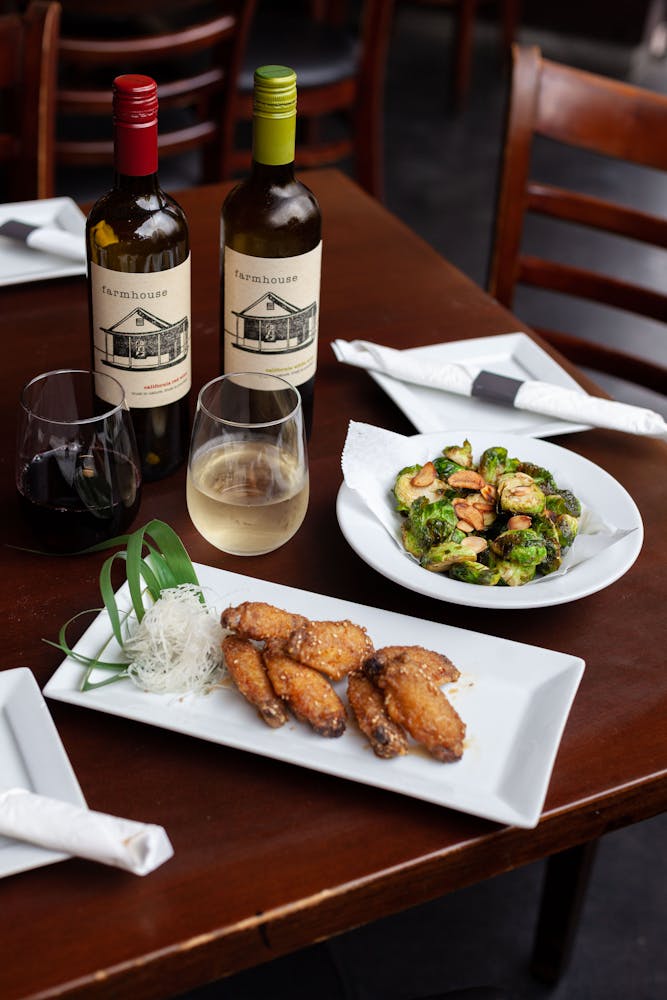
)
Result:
{"points": [[505, 598]]}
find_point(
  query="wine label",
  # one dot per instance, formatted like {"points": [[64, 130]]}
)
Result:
{"points": [[271, 314], [141, 332]]}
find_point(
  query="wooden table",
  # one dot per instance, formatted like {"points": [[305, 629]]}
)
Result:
{"points": [[271, 857]]}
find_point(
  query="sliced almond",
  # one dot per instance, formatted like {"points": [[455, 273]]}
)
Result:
{"points": [[488, 492], [484, 508], [464, 526], [466, 479], [475, 542], [472, 516], [519, 521], [425, 476], [520, 491]]}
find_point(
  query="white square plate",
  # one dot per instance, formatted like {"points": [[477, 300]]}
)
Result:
{"points": [[514, 699], [18, 263], [31, 756], [511, 354]]}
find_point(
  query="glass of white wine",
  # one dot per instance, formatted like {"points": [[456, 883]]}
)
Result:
{"points": [[247, 483]]}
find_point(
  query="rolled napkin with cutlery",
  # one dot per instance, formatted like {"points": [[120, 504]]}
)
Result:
{"points": [[48, 239], [531, 395], [62, 826]]}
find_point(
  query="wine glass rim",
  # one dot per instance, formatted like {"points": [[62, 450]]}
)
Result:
{"points": [[240, 423], [121, 405]]}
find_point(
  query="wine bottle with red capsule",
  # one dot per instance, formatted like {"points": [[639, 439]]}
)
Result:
{"points": [[139, 284]]}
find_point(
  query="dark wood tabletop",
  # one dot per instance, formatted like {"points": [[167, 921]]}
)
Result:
{"points": [[270, 857]]}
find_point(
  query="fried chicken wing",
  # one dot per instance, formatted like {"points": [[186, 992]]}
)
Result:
{"points": [[257, 620], [307, 693], [385, 736], [333, 648], [414, 700], [246, 667], [437, 666]]}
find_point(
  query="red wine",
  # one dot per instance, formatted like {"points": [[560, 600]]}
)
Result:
{"points": [[139, 285], [72, 501]]}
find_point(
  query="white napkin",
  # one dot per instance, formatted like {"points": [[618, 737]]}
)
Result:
{"points": [[537, 397], [372, 457], [61, 826]]}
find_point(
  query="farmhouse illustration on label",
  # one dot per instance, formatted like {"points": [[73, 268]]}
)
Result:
{"points": [[273, 325], [143, 341]]}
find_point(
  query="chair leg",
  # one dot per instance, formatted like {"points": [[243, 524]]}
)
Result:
{"points": [[463, 50], [563, 894]]}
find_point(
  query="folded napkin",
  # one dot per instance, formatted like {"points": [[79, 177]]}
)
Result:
{"points": [[537, 397], [61, 826]]}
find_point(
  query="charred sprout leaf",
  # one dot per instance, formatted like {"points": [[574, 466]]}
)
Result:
{"points": [[522, 546], [542, 477], [474, 572], [547, 531], [432, 523], [441, 557], [495, 463], [460, 453], [564, 502]]}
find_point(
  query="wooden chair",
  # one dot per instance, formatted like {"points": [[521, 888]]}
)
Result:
{"points": [[612, 119], [466, 11], [193, 49], [340, 81], [28, 54]]}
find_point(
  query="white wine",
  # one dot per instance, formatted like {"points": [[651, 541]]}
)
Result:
{"points": [[139, 284], [246, 498], [271, 248]]}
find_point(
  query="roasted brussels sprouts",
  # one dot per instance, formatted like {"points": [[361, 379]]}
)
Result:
{"points": [[406, 492], [494, 462], [518, 493], [460, 453], [524, 547], [499, 523], [441, 557]]}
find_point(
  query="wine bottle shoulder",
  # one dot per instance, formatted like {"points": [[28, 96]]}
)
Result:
{"points": [[271, 219]]}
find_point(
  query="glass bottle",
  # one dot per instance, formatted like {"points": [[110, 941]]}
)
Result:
{"points": [[139, 284]]}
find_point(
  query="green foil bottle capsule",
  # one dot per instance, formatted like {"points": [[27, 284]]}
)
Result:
{"points": [[270, 251]]}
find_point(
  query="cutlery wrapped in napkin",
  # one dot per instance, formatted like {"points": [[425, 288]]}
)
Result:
{"points": [[49, 239], [531, 395], [61, 826]]}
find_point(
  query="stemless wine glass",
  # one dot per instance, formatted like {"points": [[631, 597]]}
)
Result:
{"points": [[77, 467], [247, 485]]}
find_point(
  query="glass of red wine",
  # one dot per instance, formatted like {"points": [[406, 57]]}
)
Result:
{"points": [[77, 466]]}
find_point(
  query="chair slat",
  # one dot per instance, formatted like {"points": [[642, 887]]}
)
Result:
{"points": [[107, 51]]}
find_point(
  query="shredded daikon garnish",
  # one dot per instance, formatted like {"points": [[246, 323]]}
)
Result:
{"points": [[176, 646]]}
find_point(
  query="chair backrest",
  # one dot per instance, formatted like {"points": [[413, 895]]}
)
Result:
{"points": [[606, 117], [193, 50], [340, 71], [28, 58]]}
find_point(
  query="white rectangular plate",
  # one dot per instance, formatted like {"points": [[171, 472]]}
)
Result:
{"points": [[514, 698], [512, 354], [18, 263], [31, 756]]}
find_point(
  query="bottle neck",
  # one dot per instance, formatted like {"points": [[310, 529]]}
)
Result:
{"points": [[273, 142], [135, 151]]}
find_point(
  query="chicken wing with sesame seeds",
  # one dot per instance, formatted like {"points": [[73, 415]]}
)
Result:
{"points": [[307, 693], [414, 700], [257, 620], [333, 648], [246, 667], [424, 661], [385, 736]]}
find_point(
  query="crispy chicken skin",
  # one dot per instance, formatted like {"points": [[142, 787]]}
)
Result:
{"points": [[414, 700], [246, 667], [334, 648], [257, 620], [437, 666], [307, 693], [385, 736]]}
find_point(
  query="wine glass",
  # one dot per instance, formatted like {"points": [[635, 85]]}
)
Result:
{"points": [[77, 467], [247, 483]]}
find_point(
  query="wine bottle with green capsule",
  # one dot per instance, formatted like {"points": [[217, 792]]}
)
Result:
{"points": [[271, 249]]}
